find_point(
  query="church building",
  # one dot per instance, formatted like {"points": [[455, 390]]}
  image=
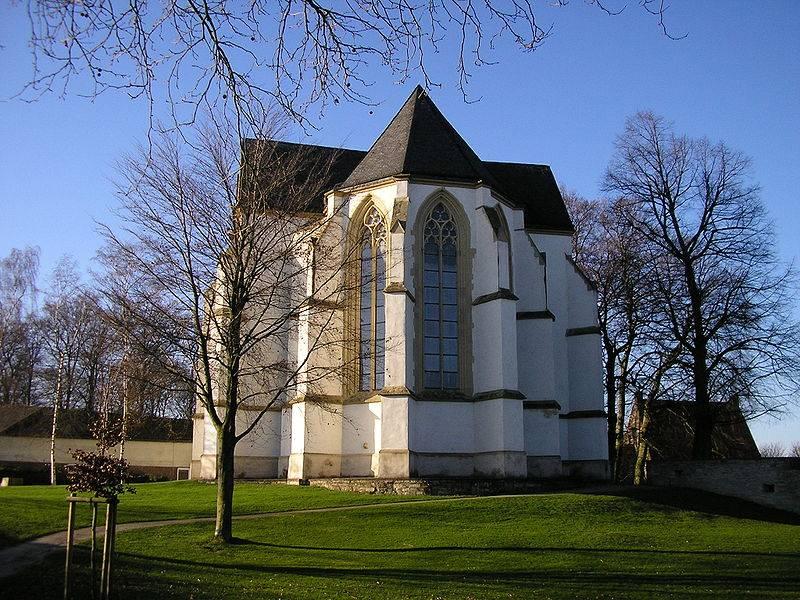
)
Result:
{"points": [[494, 369]]}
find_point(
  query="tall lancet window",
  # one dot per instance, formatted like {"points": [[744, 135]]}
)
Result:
{"points": [[372, 320], [440, 298]]}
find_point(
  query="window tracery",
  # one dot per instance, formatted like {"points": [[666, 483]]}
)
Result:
{"points": [[440, 301], [372, 315]]}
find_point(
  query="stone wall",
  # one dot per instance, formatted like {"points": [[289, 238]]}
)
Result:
{"points": [[771, 482], [440, 487]]}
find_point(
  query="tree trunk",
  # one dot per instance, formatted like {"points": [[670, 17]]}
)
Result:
{"points": [[703, 419], [54, 429], [611, 399], [620, 434], [621, 399], [226, 443], [703, 424], [641, 442]]}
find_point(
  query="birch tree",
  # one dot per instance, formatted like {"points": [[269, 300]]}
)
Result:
{"points": [[64, 322]]}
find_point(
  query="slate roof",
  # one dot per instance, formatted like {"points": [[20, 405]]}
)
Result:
{"points": [[420, 142], [671, 431], [534, 189], [37, 421], [340, 162]]}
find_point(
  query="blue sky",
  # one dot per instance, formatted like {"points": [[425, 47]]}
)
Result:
{"points": [[735, 77]]}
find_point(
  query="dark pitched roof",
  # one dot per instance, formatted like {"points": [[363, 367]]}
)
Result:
{"points": [[671, 431], [37, 421], [419, 141], [534, 189], [335, 164], [13, 414]]}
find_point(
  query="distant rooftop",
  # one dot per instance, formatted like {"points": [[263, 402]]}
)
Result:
{"points": [[37, 421]]}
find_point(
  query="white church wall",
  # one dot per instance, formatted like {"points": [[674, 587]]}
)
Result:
{"points": [[554, 247], [584, 435], [360, 439], [445, 427], [542, 443], [397, 416], [488, 370], [582, 299], [286, 441], [585, 381], [264, 439], [498, 426], [541, 432], [316, 440], [536, 361]]}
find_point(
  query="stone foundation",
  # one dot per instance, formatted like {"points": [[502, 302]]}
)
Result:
{"points": [[441, 486]]}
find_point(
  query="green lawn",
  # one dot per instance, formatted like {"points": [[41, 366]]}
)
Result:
{"points": [[548, 546], [31, 511]]}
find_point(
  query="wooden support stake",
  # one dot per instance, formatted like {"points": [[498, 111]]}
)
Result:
{"points": [[70, 538], [94, 548], [104, 565], [112, 514]]}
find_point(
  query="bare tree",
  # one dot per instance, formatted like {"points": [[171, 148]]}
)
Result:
{"points": [[225, 254], [795, 450], [64, 323], [773, 450], [291, 53], [630, 314], [730, 298], [20, 344]]}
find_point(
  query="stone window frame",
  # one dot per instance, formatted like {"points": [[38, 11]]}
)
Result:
{"points": [[464, 286], [502, 235], [352, 325]]}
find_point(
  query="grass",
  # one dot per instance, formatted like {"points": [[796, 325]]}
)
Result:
{"points": [[32, 511], [548, 546]]}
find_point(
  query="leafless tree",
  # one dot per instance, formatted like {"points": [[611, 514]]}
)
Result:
{"points": [[291, 53], [795, 451], [64, 322], [225, 255], [773, 450], [20, 346], [730, 298], [630, 315]]}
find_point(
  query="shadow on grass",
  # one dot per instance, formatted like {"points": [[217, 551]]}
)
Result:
{"points": [[522, 549], [587, 580], [699, 501], [148, 577]]}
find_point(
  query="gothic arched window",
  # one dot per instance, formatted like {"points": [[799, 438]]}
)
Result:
{"points": [[440, 301], [372, 319]]}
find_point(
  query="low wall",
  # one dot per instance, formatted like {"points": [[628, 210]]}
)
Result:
{"points": [[771, 482], [439, 486], [156, 459]]}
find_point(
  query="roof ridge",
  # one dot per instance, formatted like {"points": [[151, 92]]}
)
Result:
{"points": [[418, 92], [303, 144]]}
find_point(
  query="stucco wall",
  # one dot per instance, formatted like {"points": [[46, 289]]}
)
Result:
{"points": [[34, 450], [509, 356], [769, 481]]}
